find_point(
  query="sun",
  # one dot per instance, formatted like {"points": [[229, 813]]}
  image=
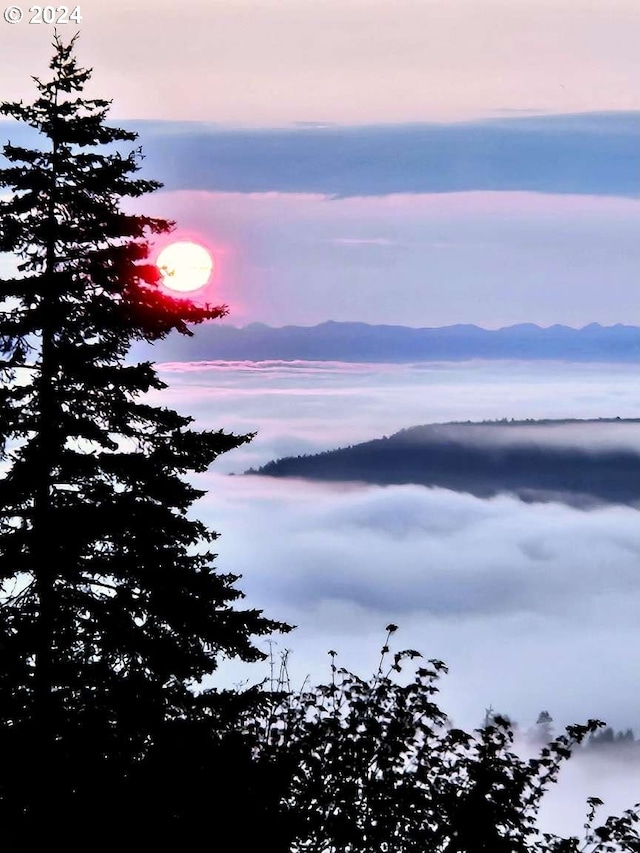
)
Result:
{"points": [[185, 266]]}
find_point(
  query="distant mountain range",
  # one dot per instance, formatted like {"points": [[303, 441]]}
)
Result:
{"points": [[360, 342], [580, 462]]}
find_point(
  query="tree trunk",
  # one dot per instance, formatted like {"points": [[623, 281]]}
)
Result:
{"points": [[44, 551]]}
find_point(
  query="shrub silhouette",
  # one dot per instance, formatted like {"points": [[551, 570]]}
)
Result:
{"points": [[374, 765]]}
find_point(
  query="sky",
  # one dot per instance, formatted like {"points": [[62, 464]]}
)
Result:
{"points": [[422, 163], [269, 62]]}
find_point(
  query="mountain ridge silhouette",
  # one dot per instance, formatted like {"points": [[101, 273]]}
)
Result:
{"points": [[362, 342]]}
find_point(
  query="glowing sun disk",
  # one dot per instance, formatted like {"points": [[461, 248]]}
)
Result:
{"points": [[184, 266]]}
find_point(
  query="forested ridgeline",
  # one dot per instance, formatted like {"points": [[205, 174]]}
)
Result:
{"points": [[577, 461]]}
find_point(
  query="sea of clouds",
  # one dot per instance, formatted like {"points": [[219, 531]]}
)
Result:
{"points": [[532, 606]]}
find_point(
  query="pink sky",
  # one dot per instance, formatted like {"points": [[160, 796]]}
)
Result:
{"points": [[267, 62], [492, 259]]}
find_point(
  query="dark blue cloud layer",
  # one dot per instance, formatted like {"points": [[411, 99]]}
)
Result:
{"points": [[597, 154], [586, 154]]}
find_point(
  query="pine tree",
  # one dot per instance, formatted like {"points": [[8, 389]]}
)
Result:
{"points": [[111, 611]]}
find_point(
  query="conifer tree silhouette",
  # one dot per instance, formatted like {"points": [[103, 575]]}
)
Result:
{"points": [[111, 610]]}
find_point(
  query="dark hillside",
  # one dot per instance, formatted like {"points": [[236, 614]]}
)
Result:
{"points": [[579, 462]]}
